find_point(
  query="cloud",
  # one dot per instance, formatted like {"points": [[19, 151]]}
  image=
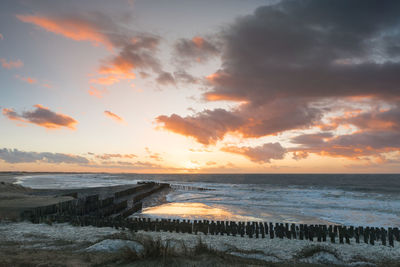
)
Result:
{"points": [[42, 116], [110, 156], [29, 80], [259, 154], [72, 27], [165, 78], [312, 139], [11, 64], [93, 91], [127, 165], [153, 155], [206, 127], [184, 77], [375, 119], [281, 62], [197, 49], [134, 50], [376, 132], [352, 146], [17, 156], [113, 116]]}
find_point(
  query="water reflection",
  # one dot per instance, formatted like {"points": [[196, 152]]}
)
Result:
{"points": [[194, 211]]}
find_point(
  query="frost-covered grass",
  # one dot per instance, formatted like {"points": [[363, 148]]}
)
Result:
{"points": [[163, 245]]}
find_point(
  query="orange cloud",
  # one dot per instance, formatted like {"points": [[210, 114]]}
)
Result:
{"points": [[153, 155], [109, 80], [135, 51], [75, 29], [47, 85], [198, 41], [93, 91], [11, 64], [27, 79], [42, 116], [259, 154], [220, 97], [113, 116]]}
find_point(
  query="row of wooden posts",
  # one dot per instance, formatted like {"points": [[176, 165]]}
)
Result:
{"points": [[319, 233]]}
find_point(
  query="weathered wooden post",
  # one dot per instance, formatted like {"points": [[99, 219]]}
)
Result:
{"points": [[391, 239], [396, 233], [357, 235], [347, 235], [311, 232], [372, 236], [366, 235], [341, 234], [383, 236], [306, 232], [319, 233], [271, 231], [255, 227], [262, 230], [301, 232], [293, 230]]}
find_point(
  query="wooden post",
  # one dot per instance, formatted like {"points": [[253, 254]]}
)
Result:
{"points": [[293, 231], [391, 239], [271, 231], [396, 233], [357, 235], [372, 236], [366, 235], [301, 232]]}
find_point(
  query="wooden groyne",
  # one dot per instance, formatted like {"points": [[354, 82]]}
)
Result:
{"points": [[123, 203], [315, 233]]}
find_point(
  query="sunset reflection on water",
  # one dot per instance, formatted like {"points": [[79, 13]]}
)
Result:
{"points": [[187, 210]]}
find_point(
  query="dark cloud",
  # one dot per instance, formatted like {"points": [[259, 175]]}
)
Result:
{"points": [[198, 49], [184, 77], [260, 154], [17, 156], [376, 132], [42, 116], [279, 62], [165, 78], [311, 139], [354, 146], [206, 127], [376, 119]]}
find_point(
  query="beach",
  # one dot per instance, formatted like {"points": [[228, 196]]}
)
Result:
{"points": [[88, 245]]}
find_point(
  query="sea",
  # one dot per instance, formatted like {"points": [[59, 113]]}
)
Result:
{"points": [[347, 199]]}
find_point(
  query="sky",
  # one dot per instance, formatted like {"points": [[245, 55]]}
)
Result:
{"points": [[222, 86]]}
